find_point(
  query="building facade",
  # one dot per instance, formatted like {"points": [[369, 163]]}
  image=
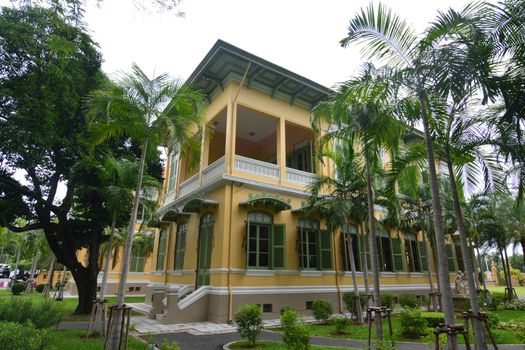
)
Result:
{"points": [[233, 228]]}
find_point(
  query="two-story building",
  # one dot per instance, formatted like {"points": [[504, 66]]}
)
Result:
{"points": [[233, 229]]}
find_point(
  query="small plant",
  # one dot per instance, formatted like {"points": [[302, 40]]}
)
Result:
{"points": [[249, 322], [492, 300], [412, 324], [516, 326], [167, 346], [322, 310], [433, 318], [40, 287], [285, 308], [341, 324], [387, 299], [348, 299], [409, 300], [516, 304], [16, 336], [45, 314], [17, 288], [296, 334], [493, 320]]}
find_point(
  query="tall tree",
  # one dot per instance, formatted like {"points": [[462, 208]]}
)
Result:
{"points": [[47, 67], [338, 200], [359, 115], [155, 112]]}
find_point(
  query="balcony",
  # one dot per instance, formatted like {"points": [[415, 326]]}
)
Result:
{"points": [[257, 167], [299, 177]]}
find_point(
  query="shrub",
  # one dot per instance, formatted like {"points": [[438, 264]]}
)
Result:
{"points": [[322, 310], [249, 322], [409, 300], [433, 318], [40, 288], [285, 308], [15, 336], [387, 299], [516, 304], [296, 335], [17, 288], [348, 299], [167, 346], [493, 320], [341, 324], [492, 300], [43, 314], [412, 324], [516, 326]]}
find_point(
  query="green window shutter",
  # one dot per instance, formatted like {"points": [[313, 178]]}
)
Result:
{"points": [[278, 246], [397, 254], [247, 241], [325, 245], [423, 256], [450, 258], [344, 250], [300, 251]]}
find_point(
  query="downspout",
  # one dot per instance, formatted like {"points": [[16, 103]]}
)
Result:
{"points": [[232, 161]]}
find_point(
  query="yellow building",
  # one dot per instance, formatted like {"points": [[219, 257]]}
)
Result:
{"points": [[233, 230]]}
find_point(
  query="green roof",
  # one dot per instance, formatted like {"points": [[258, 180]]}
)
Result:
{"points": [[225, 62]]}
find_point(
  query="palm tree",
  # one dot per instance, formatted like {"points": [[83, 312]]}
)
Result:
{"points": [[119, 178], [338, 199], [154, 112], [388, 36], [358, 116]]}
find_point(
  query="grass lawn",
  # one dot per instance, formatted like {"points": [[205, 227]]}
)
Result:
{"points": [[520, 290], [270, 345], [65, 340], [68, 305], [361, 331]]}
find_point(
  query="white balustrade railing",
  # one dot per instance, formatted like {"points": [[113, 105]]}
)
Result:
{"points": [[189, 185], [213, 170], [299, 177], [256, 167]]}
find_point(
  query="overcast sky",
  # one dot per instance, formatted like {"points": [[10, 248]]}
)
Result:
{"points": [[300, 35]]}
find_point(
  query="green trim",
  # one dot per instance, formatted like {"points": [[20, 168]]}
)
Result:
{"points": [[397, 254], [277, 204], [173, 215], [423, 256], [278, 257], [194, 205]]}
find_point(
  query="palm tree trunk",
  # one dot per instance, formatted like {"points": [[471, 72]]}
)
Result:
{"points": [[373, 249], [442, 266], [100, 313], [113, 341], [357, 300], [480, 264], [29, 284], [429, 268], [475, 265], [365, 262], [467, 259], [13, 280]]}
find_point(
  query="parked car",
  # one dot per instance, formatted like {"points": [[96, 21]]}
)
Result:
{"points": [[5, 271]]}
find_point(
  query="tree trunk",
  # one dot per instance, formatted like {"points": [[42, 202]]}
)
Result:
{"points": [[374, 258], [100, 315], [113, 337], [357, 300], [476, 267], [13, 280], [429, 268], [467, 259], [511, 294], [522, 241], [30, 281], [365, 262], [444, 277]]}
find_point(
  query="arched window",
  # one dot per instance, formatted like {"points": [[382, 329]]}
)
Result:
{"points": [[265, 246], [412, 257], [315, 245]]}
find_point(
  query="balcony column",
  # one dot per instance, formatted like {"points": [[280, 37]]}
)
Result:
{"points": [[281, 149], [231, 132]]}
